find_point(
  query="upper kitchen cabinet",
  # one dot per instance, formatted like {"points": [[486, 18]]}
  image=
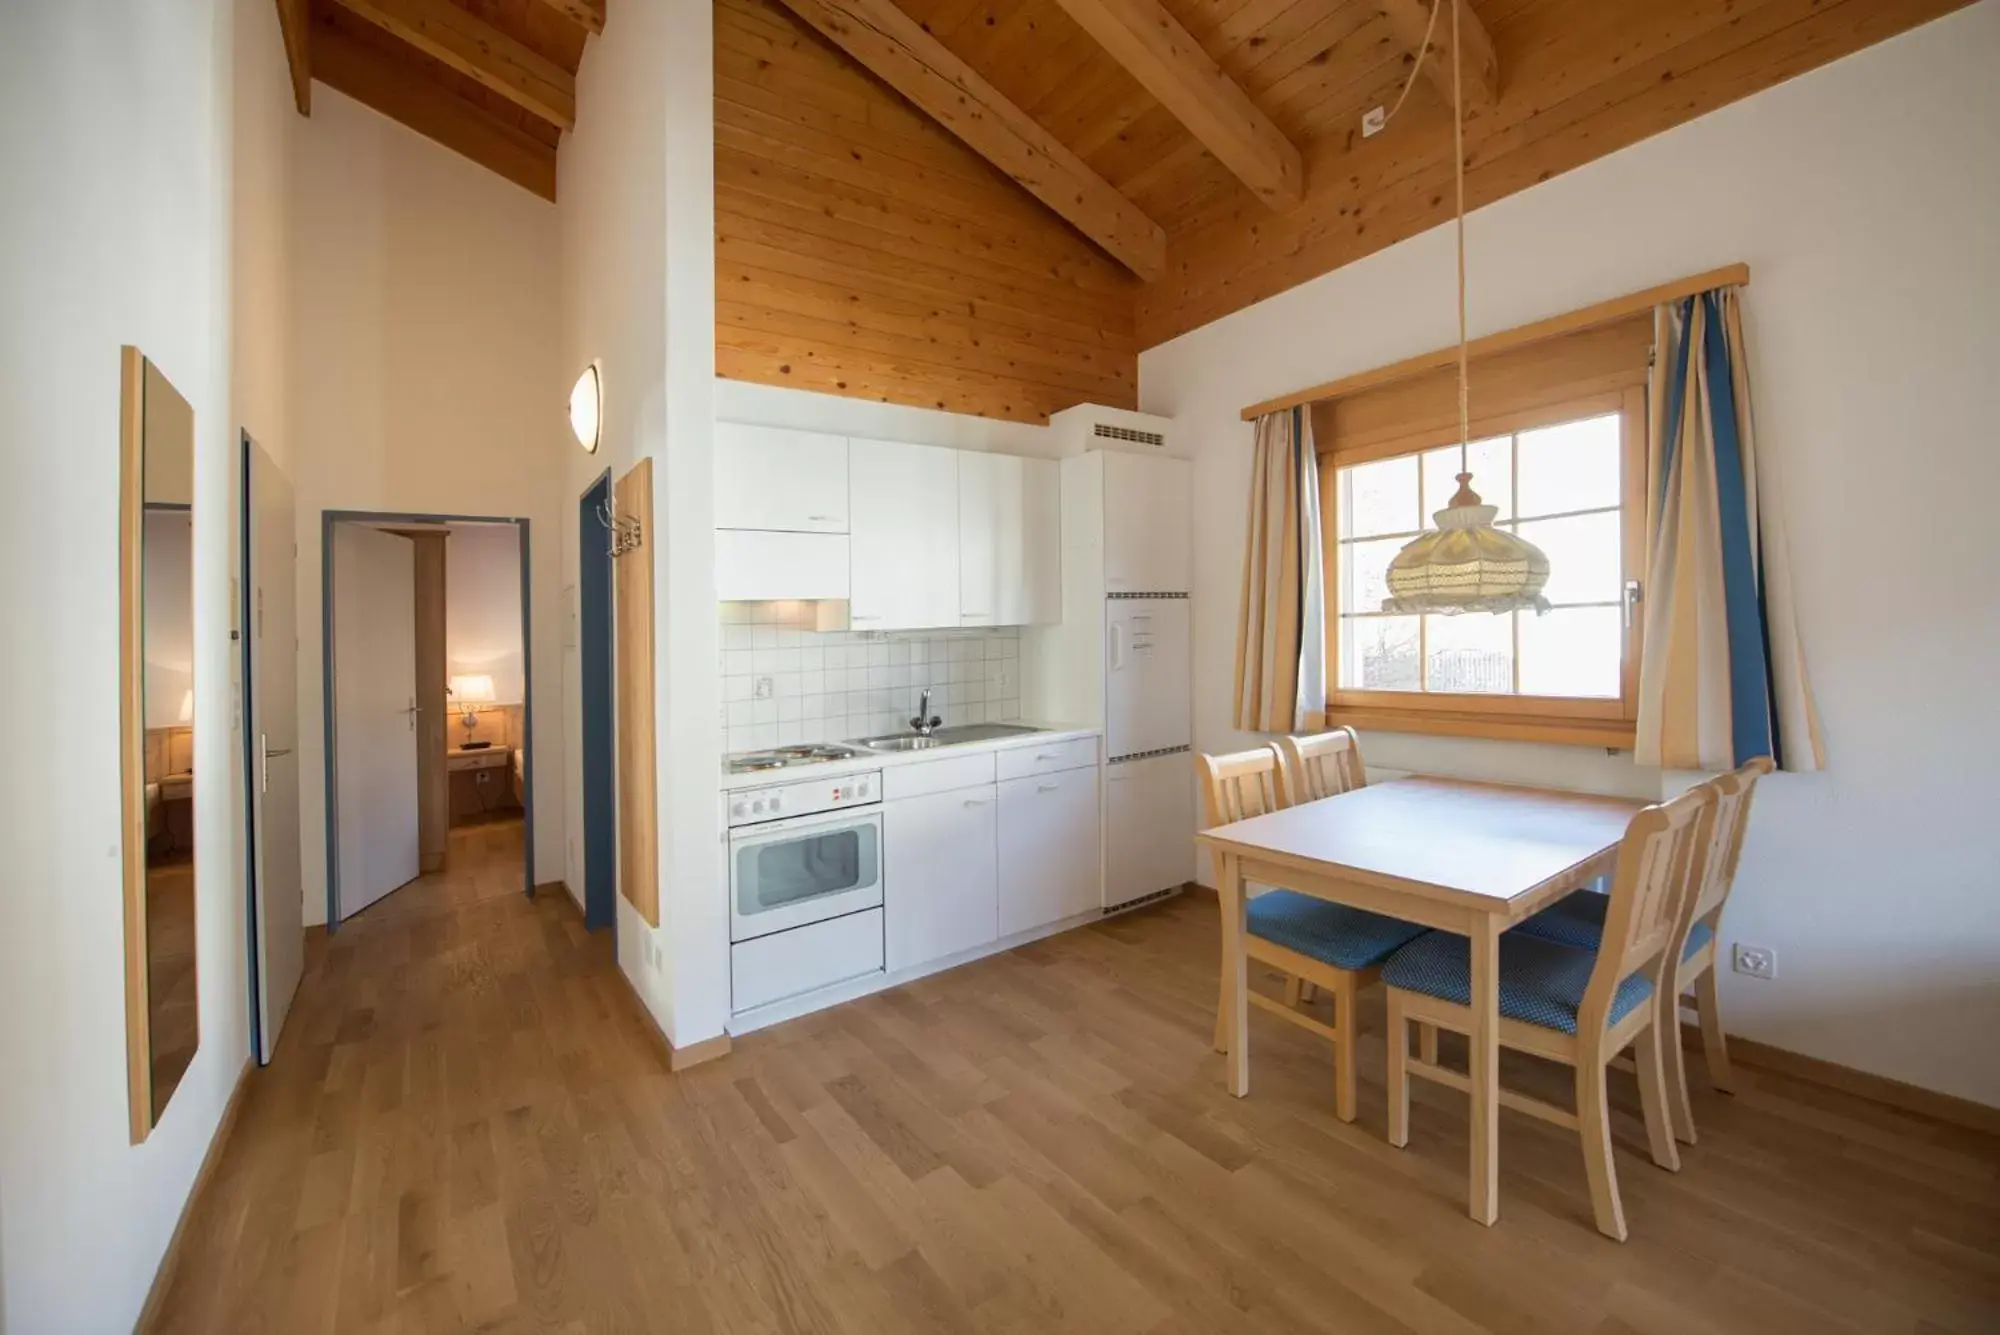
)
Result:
{"points": [[903, 521], [1009, 540], [777, 479], [1148, 506]]}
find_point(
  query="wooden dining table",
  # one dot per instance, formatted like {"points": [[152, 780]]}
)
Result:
{"points": [[1451, 854]]}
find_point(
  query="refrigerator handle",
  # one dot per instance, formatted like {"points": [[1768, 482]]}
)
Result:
{"points": [[1117, 645]]}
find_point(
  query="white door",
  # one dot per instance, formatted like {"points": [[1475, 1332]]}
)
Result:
{"points": [[1148, 689], [938, 891], [270, 552], [1149, 834], [375, 714], [903, 516], [1148, 506], [1049, 856], [767, 477]]}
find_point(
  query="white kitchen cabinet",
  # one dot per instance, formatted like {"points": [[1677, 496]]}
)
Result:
{"points": [[903, 554], [1149, 806], [761, 565], [940, 877], [769, 477], [1049, 853], [1009, 540], [1148, 511]]}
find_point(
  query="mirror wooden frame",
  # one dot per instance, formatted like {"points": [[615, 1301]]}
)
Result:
{"points": [[138, 960]]}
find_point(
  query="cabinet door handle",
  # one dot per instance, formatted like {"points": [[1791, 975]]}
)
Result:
{"points": [[977, 801], [1048, 787], [819, 519], [852, 617]]}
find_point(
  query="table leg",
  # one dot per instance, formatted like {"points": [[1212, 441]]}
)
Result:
{"points": [[1235, 974], [1483, 1061]]}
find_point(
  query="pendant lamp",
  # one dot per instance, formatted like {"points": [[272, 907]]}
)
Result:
{"points": [[1465, 564]]}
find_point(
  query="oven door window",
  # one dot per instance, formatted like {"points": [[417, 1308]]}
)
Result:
{"points": [[785, 872]]}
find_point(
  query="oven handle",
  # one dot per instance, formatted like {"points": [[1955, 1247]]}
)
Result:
{"points": [[790, 825]]}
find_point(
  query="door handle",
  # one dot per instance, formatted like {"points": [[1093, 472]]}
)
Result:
{"points": [[276, 751], [1117, 646]]}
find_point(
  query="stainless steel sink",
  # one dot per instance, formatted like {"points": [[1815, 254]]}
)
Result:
{"points": [[907, 742], [982, 732]]}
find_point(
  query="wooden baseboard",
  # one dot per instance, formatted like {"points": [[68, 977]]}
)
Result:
{"points": [[163, 1277], [677, 1059], [1947, 1108]]}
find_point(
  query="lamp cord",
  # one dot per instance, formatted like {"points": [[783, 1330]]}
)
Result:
{"points": [[1458, 172], [1422, 50]]}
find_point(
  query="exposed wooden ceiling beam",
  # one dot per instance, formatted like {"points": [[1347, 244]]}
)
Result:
{"points": [[480, 51], [900, 53], [1168, 63], [367, 77], [294, 24], [585, 14], [1410, 19]]}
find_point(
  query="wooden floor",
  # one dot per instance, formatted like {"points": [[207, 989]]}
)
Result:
{"points": [[485, 859], [469, 1127]]}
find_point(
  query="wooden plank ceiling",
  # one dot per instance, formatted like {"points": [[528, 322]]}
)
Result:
{"points": [[494, 80], [992, 205]]}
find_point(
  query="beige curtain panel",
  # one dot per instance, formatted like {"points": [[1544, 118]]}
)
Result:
{"points": [[1281, 636]]}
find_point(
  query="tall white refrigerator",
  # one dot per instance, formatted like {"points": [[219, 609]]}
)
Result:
{"points": [[1122, 659]]}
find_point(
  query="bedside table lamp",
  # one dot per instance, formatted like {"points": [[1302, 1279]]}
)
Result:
{"points": [[469, 692]]}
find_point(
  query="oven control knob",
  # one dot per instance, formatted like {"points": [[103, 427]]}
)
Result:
{"points": [[757, 806], [777, 803], [861, 789], [737, 809]]}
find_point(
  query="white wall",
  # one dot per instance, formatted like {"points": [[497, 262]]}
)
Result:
{"points": [[482, 608], [1863, 196], [426, 379], [115, 146], [636, 181]]}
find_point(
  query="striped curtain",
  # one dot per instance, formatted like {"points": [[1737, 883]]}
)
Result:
{"points": [[1722, 677], [1281, 637]]}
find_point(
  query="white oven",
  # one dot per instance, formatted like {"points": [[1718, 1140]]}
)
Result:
{"points": [[786, 871]]}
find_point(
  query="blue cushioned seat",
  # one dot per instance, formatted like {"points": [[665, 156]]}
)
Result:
{"points": [[1541, 982], [1330, 933], [1578, 921]]}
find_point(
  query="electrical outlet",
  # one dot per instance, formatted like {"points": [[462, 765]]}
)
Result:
{"points": [[1756, 961], [1374, 121], [762, 690]]}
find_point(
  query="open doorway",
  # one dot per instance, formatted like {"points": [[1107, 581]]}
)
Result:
{"points": [[429, 733]]}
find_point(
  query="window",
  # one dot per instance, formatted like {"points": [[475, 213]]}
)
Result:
{"points": [[1567, 476]]}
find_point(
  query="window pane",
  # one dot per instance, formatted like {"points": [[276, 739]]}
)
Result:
{"points": [[1492, 475], [1570, 467], [1379, 498], [1572, 651], [1379, 654], [1585, 564], [1364, 573], [1472, 653]]}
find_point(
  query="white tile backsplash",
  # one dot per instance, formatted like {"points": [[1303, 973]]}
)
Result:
{"points": [[835, 686]]}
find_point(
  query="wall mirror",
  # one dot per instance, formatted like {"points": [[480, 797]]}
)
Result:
{"points": [[156, 641]]}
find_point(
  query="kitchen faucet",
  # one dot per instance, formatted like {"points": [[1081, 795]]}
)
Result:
{"points": [[925, 721]]}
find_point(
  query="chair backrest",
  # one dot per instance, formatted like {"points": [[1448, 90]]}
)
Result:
{"points": [[1732, 792], [1238, 786], [1324, 764], [1659, 865]]}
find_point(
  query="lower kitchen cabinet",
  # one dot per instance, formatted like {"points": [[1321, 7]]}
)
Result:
{"points": [[1049, 855], [940, 888]]}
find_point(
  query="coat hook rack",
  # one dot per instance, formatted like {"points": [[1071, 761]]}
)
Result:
{"points": [[626, 533]]}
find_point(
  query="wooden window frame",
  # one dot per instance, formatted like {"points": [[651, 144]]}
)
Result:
{"points": [[1575, 721]]}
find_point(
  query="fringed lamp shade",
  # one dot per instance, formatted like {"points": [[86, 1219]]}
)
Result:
{"points": [[1467, 565]]}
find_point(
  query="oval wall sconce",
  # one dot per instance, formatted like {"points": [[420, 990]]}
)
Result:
{"points": [[586, 404]]}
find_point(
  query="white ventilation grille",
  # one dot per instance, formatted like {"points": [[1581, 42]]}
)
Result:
{"points": [[1105, 431]]}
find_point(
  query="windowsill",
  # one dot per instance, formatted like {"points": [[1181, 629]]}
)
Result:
{"points": [[1615, 734]]}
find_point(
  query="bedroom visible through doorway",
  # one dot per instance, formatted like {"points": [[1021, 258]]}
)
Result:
{"points": [[429, 787]]}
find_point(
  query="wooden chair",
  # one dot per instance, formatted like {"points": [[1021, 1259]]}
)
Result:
{"points": [[1323, 764], [1701, 935], [1574, 1006], [1579, 921], [1309, 940]]}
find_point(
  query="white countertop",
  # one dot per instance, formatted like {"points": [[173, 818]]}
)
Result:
{"points": [[870, 760]]}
